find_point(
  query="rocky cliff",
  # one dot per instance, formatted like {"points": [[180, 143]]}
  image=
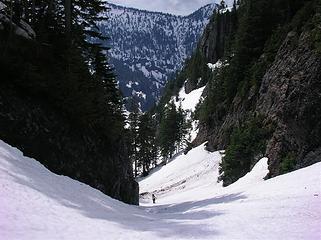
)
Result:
{"points": [[290, 97], [215, 38], [211, 46], [285, 96]]}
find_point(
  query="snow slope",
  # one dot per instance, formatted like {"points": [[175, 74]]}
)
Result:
{"points": [[37, 204], [189, 101], [186, 173]]}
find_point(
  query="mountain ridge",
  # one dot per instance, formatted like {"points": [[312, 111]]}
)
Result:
{"points": [[113, 5], [147, 48]]}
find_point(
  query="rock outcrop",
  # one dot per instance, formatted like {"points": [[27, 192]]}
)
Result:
{"points": [[211, 46], [215, 37], [288, 98]]}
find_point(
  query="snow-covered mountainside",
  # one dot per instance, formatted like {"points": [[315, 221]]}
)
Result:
{"points": [[37, 204], [148, 47]]}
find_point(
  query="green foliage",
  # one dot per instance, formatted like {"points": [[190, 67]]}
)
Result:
{"points": [[288, 163], [302, 16], [133, 134], [257, 21], [168, 131], [66, 70], [247, 144], [63, 69], [211, 110], [184, 128], [146, 142], [262, 27], [197, 71], [316, 32], [173, 130], [143, 147]]}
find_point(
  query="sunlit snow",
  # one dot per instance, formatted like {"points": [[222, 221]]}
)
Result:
{"points": [[37, 204], [189, 101]]}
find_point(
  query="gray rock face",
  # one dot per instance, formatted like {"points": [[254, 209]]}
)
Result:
{"points": [[290, 97], [39, 131], [211, 47], [212, 43], [290, 100]]}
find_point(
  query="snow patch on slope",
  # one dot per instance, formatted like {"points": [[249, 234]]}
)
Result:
{"points": [[37, 204], [189, 101]]}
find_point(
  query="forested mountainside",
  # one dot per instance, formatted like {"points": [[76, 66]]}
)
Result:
{"points": [[261, 64], [59, 101], [149, 47]]}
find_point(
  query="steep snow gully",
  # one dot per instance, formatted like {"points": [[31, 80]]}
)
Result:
{"points": [[191, 204]]}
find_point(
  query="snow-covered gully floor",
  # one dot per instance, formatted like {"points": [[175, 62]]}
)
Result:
{"points": [[37, 204]]}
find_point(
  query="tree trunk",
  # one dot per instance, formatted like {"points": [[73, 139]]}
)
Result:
{"points": [[136, 167]]}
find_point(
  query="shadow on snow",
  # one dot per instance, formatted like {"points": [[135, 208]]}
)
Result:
{"points": [[165, 220]]}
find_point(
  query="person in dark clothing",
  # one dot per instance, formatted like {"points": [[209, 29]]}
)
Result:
{"points": [[154, 198]]}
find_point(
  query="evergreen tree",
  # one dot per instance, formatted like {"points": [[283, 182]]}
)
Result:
{"points": [[168, 131], [184, 127], [69, 65], [147, 153], [173, 130], [133, 120], [67, 69], [247, 146]]}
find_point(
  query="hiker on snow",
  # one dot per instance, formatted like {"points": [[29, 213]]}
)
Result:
{"points": [[154, 198]]}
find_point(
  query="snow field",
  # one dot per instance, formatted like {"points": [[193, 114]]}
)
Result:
{"points": [[285, 207], [37, 204]]}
